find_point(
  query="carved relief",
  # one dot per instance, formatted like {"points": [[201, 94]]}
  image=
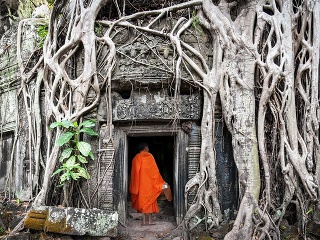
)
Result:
{"points": [[148, 107], [9, 76], [145, 67], [150, 59], [147, 59]]}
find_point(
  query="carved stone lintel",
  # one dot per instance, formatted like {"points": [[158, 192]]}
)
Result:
{"points": [[152, 107]]}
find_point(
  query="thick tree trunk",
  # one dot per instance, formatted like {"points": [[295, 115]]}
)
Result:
{"points": [[241, 106], [238, 104], [315, 90], [59, 84]]}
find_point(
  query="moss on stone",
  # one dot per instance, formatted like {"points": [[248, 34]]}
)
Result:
{"points": [[36, 220], [58, 226], [26, 7]]}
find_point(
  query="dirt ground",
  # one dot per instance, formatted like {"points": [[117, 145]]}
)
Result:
{"points": [[12, 212], [165, 227]]}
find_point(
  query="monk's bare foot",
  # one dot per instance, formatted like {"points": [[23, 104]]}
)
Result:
{"points": [[152, 224]]}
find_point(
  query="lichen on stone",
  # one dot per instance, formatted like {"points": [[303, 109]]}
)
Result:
{"points": [[26, 7]]}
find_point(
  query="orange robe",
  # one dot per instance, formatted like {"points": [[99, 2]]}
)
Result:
{"points": [[146, 183]]}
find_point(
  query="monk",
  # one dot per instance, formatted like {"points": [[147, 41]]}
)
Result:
{"points": [[146, 183]]}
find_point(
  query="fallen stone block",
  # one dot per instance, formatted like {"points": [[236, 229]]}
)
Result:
{"points": [[73, 221]]}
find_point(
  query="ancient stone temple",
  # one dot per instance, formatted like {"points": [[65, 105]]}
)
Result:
{"points": [[147, 105], [144, 108]]}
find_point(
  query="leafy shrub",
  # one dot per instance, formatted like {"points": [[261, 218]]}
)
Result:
{"points": [[75, 153]]}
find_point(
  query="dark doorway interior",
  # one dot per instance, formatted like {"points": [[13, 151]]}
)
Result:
{"points": [[162, 148]]}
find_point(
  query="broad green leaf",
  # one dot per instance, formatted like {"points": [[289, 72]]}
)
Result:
{"points": [[67, 124], [55, 124], [89, 131], [91, 155], [76, 166], [83, 173], [56, 172], [75, 124], [87, 123], [65, 177], [74, 175], [64, 138], [71, 162], [82, 159], [84, 148], [65, 154]]}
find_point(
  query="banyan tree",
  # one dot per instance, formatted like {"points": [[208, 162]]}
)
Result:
{"points": [[257, 62]]}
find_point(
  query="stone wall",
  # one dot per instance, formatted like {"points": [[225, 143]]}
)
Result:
{"points": [[11, 103]]}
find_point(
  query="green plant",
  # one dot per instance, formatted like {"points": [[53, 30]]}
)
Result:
{"points": [[75, 153], [282, 227], [19, 194], [196, 22], [309, 211], [42, 33], [50, 2], [98, 29]]}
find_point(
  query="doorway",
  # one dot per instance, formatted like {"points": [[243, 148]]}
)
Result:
{"points": [[162, 148], [168, 146]]}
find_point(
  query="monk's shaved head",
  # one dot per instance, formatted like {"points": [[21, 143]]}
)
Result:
{"points": [[142, 146]]}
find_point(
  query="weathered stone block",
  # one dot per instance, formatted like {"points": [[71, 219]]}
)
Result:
{"points": [[73, 221], [313, 228], [155, 106]]}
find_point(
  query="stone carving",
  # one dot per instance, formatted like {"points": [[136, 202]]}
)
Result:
{"points": [[9, 69], [186, 126], [104, 135], [148, 60], [106, 167], [151, 107], [8, 61], [8, 106]]}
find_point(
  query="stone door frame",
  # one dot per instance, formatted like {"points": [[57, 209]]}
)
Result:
{"points": [[120, 180]]}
